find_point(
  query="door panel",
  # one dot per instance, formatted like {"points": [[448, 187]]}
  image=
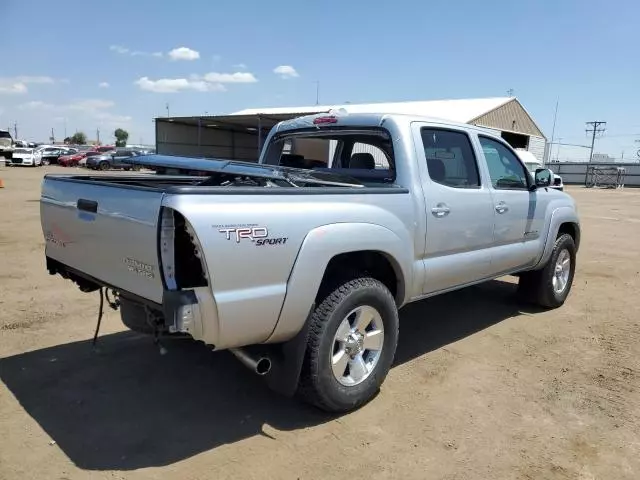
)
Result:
{"points": [[516, 231], [459, 210]]}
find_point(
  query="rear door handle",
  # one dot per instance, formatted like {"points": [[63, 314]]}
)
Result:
{"points": [[87, 205], [440, 210], [502, 207]]}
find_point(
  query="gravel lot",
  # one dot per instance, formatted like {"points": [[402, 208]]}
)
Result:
{"points": [[483, 387]]}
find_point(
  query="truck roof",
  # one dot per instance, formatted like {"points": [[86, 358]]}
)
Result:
{"points": [[371, 120]]}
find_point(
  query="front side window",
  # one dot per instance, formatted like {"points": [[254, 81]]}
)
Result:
{"points": [[505, 169], [450, 158]]}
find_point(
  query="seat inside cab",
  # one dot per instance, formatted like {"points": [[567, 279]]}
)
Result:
{"points": [[365, 158]]}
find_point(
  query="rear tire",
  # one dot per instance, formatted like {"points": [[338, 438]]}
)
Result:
{"points": [[550, 286], [339, 373]]}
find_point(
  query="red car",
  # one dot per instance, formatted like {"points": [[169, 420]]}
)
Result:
{"points": [[77, 159], [71, 160]]}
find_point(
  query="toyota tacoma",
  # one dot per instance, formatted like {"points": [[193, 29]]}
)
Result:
{"points": [[298, 264]]}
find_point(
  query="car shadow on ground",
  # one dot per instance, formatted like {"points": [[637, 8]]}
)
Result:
{"points": [[127, 407]]}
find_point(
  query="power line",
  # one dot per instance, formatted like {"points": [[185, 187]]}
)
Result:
{"points": [[595, 129]]}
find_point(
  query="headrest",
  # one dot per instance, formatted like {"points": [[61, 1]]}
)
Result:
{"points": [[362, 160], [436, 169]]}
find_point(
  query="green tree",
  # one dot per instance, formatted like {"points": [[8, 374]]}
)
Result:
{"points": [[121, 137], [78, 138]]}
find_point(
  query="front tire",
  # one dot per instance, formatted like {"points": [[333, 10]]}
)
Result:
{"points": [[550, 286], [103, 166], [352, 342]]}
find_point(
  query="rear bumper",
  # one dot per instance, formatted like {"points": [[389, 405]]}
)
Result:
{"points": [[182, 311]]}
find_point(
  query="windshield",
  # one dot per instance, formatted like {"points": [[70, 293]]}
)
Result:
{"points": [[4, 134]]}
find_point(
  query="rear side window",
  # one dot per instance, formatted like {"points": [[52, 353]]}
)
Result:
{"points": [[450, 158]]}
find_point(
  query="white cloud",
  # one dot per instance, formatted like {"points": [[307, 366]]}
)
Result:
{"points": [[12, 88], [240, 66], [173, 85], [133, 53], [183, 53], [18, 85], [35, 105], [119, 49], [93, 108], [286, 71], [91, 104], [104, 85], [237, 77], [40, 79]]}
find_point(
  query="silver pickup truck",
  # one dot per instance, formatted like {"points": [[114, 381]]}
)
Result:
{"points": [[299, 264]]}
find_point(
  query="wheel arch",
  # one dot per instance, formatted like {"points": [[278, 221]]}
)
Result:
{"points": [[330, 250], [563, 220]]}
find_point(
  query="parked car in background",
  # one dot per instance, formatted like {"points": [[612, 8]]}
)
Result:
{"points": [[6, 144], [78, 159], [24, 157], [102, 148], [113, 160], [91, 153], [532, 163], [50, 155], [72, 160]]}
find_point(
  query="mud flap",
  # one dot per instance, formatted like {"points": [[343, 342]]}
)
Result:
{"points": [[286, 360]]}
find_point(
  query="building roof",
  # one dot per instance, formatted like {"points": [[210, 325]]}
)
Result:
{"points": [[461, 110]]}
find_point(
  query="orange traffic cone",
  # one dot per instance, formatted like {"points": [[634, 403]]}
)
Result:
{"points": [[1, 183]]}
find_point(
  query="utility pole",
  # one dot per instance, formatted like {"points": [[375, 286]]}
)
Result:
{"points": [[553, 131], [65, 127], [593, 130], [98, 135], [317, 82], [15, 130], [167, 107], [53, 137]]}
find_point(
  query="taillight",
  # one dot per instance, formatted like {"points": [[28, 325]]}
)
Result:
{"points": [[180, 253]]}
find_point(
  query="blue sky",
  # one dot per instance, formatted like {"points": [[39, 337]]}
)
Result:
{"points": [[56, 55]]}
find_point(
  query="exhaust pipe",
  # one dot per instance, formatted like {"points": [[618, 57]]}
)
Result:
{"points": [[260, 365]]}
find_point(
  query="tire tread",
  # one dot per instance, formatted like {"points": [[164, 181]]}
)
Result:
{"points": [[308, 387]]}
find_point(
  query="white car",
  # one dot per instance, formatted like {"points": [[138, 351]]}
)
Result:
{"points": [[532, 163], [26, 157]]}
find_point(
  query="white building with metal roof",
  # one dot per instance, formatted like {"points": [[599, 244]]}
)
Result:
{"points": [[240, 135]]}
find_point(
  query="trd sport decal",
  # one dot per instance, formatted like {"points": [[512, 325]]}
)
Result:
{"points": [[258, 235]]}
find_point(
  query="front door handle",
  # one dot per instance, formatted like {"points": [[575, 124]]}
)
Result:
{"points": [[440, 210], [502, 207]]}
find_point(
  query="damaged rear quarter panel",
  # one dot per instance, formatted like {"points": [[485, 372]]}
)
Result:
{"points": [[250, 245]]}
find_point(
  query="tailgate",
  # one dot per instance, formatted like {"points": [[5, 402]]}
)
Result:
{"points": [[107, 232]]}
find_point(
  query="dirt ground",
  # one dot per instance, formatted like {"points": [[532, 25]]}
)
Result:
{"points": [[483, 387]]}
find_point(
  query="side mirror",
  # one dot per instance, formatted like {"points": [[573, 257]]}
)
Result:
{"points": [[543, 177]]}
